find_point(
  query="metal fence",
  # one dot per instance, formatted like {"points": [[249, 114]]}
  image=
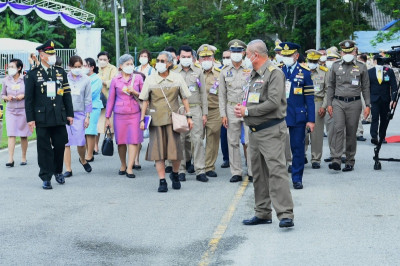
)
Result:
{"points": [[6, 56]]}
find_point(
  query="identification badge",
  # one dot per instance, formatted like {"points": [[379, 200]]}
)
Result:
{"points": [[298, 91], [125, 90], [254, 97], [51, 88], [288, 85], [317, 87], [192, 88], [60, 92], [354, 82], [386, 78], [74, 90], [213, 90], [16, 87]]}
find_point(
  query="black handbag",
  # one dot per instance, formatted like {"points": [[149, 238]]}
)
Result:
{"points": [[107, 149], [103, 99]]}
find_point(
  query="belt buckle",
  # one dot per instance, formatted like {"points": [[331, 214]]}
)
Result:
{"points": [[346, 100], [253, 129]]}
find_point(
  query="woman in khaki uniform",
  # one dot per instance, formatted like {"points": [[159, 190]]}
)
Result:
{"points": [[164, 143]]}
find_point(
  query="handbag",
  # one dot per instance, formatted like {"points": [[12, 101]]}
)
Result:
{"points": [[107, 149], [179, 122], [103, 99]]}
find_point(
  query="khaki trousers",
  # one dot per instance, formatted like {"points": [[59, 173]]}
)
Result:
{"points": [[345, 117], [317, 136], [213, 132], [233, 133], [194, 138], [270, 179]]}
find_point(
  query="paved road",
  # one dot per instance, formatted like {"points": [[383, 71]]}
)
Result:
{"points": [[105, 219]]}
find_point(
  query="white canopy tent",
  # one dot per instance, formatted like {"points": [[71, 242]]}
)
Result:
{"points": [[8, 44]]}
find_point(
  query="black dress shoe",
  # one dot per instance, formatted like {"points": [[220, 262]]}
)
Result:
{"points": [[361, 138], [211, 174], [190, 169], [176, 184], [130, 175], [305, 160], [343, 159], [202, 178], [328, 160], [334, 166], [225, 164], [67, 174], [315, 165], [122, 172], [91, 160], [182, 177], [24, 163], [47, 185], [297, 185], [235, 178], [348, 168], [286, 222], [10, 164], [255, 220], [95, 153], [137, 166], [289, 169], [325, 135], [250, 178], [384, 141], [168, 169], [60, 178], [163, 186], [86, 166]]}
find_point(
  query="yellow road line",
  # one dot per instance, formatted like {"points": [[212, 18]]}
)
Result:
{"points": [[223, 225]]}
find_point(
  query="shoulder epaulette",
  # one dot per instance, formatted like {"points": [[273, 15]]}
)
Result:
{"points": [[217, 69], [304, 66], [280, 65], [324, 68], [58, 66], [197, 65], [271, 68], [175, 67]]}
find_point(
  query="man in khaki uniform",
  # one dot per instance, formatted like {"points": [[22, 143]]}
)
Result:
{"points": [[231, 82], [264, 113], [348, 78], [319, 77], [194, 77], [213, 125]]}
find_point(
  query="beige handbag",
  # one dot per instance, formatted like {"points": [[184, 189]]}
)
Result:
{"points": [[179, 122]]}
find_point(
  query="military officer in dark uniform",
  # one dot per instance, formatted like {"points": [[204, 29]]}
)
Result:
{"points": [[49, 108], [300, 107]]}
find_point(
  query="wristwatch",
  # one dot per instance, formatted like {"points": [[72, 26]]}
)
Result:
{"points": [[246, 112]]}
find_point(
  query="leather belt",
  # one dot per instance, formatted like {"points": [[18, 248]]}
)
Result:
{"points": [[265, 125], [348, 99]]}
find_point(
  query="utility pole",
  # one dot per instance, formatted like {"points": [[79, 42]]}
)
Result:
{"points": [[117, 51], [141, 16], [318, 30], [124, 25]]}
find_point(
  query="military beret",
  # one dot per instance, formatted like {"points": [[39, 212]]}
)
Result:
{"points": [[277, 47], [347, 46], [313, 54], [206, 50], [237, 46], [47, 47], [289, 48]]}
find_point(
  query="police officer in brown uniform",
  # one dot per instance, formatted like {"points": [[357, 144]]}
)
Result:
{"points": [[194, 77], [48, 107], [320, 81], [264, 111], [213, 125], [348, 78], [231, 82]]}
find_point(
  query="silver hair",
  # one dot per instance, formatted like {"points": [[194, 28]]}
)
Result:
{"points": [[124, 58], [258, 46], [170, 58]]}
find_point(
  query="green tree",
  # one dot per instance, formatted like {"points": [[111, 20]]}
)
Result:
{"points": [[391, 8]]}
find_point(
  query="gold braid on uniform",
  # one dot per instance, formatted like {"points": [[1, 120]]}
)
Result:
{"points": [[66, 88], [308, 90]]}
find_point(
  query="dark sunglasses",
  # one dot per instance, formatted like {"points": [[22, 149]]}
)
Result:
{"points": [[161, 61]]}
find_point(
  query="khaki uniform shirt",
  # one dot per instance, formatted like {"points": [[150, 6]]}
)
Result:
{"points": [[195, 81], [231, 84], [348, 80], [212, 87], [107, 74], [173, 86], [320, 80], [269, 81]]}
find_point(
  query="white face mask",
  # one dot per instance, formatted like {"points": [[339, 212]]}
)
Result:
{"points": [[288, 61], [76, 71], [348, 58], [175, 62], [206, 65], [236, 57], [186, 62], [85, 71], [128, 69], [12, 72], [323, 58], [51, 60], [312, 65], [226, 62], [248, 63], [102, 63], [329, 64], [161, 67], [143, 60], [278, 58]]}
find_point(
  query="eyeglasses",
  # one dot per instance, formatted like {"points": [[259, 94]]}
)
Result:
{"points": [[226, 57], [161, 61]]}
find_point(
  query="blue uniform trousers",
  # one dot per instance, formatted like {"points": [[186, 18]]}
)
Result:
{"points": [[224, 144], [297, 137]]}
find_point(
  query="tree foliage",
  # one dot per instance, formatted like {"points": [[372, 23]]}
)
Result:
{"points": [[391, 8]]}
